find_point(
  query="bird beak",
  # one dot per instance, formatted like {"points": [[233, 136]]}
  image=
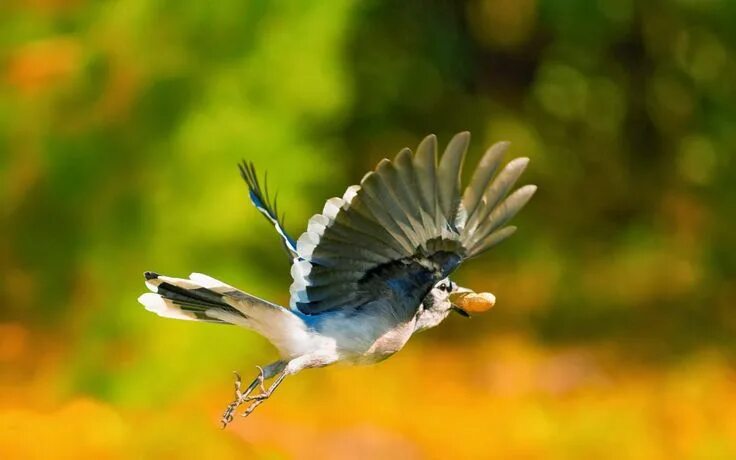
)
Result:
{"points": [[465, 301]]}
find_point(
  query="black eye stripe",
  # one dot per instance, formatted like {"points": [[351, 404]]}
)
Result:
{"points": [[445, 287]]}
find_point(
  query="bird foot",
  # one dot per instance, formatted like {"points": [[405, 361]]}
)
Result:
{"points": [[257, 400], [241, 397]]}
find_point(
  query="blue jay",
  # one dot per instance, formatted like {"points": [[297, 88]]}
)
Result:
{"points": [[371, 269]]}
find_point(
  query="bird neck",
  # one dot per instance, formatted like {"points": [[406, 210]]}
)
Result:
{"points": [[430, 318]]}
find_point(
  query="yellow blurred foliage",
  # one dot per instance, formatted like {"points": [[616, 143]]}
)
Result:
{"points": [[506, 398]]}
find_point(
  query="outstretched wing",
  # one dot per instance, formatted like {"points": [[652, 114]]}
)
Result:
{"points": [[404, 228], [265, 205]]}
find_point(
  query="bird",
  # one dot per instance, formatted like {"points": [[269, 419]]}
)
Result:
{"points": [[370, 271]]}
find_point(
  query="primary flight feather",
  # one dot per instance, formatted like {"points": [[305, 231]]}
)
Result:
{"points": [[370, 270]]}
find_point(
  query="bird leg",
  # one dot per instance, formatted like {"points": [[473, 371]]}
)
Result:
{"points": [[242, 397], [258, 399], [283, 369]]}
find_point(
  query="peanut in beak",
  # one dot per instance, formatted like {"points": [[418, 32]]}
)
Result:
{"points": [[473, 302]]}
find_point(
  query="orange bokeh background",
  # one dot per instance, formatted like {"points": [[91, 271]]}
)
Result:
{"points": [[121, 124]]}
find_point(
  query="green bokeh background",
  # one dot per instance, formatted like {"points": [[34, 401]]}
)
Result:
{"points": [[121, 124]]}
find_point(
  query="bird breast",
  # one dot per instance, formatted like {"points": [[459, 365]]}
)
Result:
{"points": [[389, 343], [366, 336]]}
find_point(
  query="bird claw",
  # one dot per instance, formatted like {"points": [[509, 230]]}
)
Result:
{"points": [[261, 378], [238, 382], [258, 397], [257, 400], [242, 397]]}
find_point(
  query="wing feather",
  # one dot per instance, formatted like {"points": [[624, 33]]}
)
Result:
{"points": [[482, 176], [492, 240], [263, 203], [425, 169], [504, 212], [497, 190], [405, 227], [406, 200], [383, 207], [407, 177], [448, 175]]}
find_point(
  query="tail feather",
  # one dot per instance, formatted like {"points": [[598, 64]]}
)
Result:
{"points": [[165, 308], [199, 298], [203, 298]]}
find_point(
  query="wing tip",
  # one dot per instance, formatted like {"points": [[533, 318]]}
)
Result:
{"points": [[459, 142], [430, 140], [462, 135], [384, 163], [499, 147], [520, 162], [529, 189]]}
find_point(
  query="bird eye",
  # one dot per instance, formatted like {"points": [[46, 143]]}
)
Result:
{"points": [[443, 287]]}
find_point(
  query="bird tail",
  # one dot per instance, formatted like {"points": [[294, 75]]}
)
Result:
{"points": [[199, 298], [203, 298]]}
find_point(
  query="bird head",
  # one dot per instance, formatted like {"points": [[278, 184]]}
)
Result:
{"points": [[445, 297]]}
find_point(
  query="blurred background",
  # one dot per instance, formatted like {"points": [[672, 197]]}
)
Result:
{"points": [[121, 124]]}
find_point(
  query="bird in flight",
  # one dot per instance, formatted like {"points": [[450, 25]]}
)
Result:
{"points": [[372, 268]]}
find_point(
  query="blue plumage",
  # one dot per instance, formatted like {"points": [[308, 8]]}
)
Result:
{"points": [[261, 200], [370, 270]]}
